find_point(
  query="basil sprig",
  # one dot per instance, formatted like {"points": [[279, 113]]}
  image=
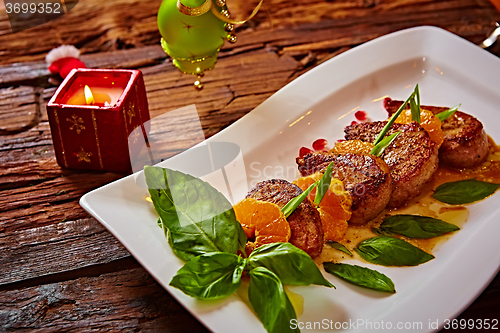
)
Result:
{"points": [[390, 251], [270, 266], [448, 113], [196, 217], [464, 191], [324, 184], [338, 246], [194, 226], [361, 276], [270, 302], [415, 226], [292, 265], [291, 205], [210, 275]]}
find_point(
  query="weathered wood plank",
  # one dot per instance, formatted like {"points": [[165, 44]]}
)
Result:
{"points": [[56, 248], [24, 173], [36, 73], [68, 186], [129, 300], [324, 25], [19, 109], [107, 27]]}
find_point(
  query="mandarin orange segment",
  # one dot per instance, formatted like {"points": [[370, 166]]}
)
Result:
{"points": [[352, 146], [264, 220], [334, 209], [333, 228], [244, 212], [305, 182], [428, 121]]}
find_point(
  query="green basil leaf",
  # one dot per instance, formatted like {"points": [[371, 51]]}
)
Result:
{"points": [[361, 276], [464, 191], [380, 232], [291, 205], [448, 113], [391, 121], [292, 265], [199, 219], [338, 246], [210, 276], [415, 226], [324, 184], [379, 149], [390, 251], [270, 302]]}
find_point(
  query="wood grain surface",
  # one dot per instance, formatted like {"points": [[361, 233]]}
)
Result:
{"points": [[60, 270]]}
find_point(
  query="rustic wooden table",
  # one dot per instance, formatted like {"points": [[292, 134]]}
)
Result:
{"points": [[60, 270]]}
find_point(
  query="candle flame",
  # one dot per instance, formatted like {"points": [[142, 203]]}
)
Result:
{"points": [[89, 98]]}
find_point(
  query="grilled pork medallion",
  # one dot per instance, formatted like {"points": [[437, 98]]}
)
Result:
{"points": [[412, 157], [305, 222], [465, 141], [366, 177]]}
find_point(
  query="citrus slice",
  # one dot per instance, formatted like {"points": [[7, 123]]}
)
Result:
{"points": [[352, 146], [334, 209], [428, 121], [262, 220]]}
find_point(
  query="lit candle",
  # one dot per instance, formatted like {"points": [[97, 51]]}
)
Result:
{"points": [[93, 113], [99, 96]]}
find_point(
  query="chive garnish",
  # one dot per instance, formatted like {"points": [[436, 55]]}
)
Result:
{"points": [[379, 149], [386, 128], [324, 184], [415, 105], [290, 207], [448, 113]]}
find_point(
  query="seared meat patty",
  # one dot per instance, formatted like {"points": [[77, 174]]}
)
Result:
{"points": [[366, 177], [305, 222], [465, 141], [412, 157]]}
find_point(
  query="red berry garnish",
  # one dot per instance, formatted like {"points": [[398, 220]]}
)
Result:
{"points": [[354, 122], [304, 151], [360, 115], [319, 144], [340, 140]]}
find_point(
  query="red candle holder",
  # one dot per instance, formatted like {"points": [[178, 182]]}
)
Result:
{"points": [[97, 136]]}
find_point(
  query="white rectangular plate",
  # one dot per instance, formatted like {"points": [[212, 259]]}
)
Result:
{"points": [[319, 104]]}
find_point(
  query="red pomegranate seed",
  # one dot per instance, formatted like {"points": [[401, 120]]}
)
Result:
{"points": [[360, 115], [304, 151], [319, 144], [354, 122], [339, 140], [387, 101]]}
